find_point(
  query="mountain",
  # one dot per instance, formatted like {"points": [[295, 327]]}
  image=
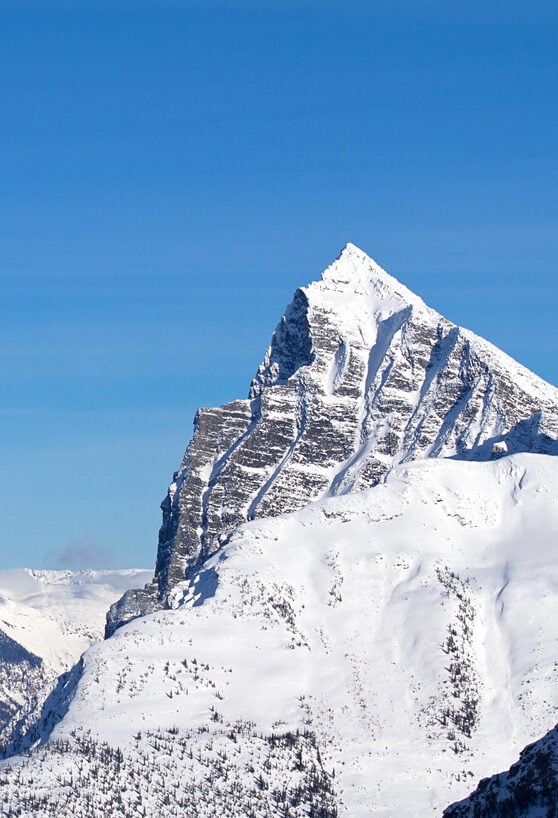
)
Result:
{"points": [[360, 375], [47, 620], [373, 654], [354, 585]]}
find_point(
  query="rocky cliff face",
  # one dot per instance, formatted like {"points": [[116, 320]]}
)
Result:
{"points": [[361, 375], [527, 790]]}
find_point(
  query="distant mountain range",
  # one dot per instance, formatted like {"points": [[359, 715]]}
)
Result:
{"points": [[47, 620], [354, 594]]}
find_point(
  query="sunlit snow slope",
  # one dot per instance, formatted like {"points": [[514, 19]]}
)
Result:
{"points": [[47, 620], [373, 654]]}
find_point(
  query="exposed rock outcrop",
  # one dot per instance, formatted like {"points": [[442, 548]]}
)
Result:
{"points": [[528, 788]]}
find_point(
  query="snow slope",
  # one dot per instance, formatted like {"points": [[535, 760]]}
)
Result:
{"points": [[47, 620], [372, 654]]}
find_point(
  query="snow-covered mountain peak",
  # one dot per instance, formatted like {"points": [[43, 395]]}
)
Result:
{"points": [[354, 274], [344, 309], [360, 375]]}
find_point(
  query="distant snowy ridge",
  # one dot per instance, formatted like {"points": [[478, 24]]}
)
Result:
{"points": [[373, 654], [361, 375], [47, 619]]}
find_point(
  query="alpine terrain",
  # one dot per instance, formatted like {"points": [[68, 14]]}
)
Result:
{"points": [[354, 598], [47, 620]]}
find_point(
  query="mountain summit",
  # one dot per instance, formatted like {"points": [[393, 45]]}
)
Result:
{"points": [[361, 375]]}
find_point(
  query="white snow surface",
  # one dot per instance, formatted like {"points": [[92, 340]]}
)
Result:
{"points": [[411, 627]]}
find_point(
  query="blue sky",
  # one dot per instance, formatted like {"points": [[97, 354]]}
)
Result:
{"points": [[172, 171]]}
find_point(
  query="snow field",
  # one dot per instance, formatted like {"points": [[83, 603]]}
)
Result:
{"points": [[407, 630]]}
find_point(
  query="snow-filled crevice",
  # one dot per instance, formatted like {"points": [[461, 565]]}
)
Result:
{"points": [[386, 332], [301, 421], [487, 402], [339, 366], [450, 422], [471, 379], [256, 407], [439, 358]]}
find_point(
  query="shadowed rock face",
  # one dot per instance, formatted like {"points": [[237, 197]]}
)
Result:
{"points": [[21, 672], [528, 788], [360, 375]]}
